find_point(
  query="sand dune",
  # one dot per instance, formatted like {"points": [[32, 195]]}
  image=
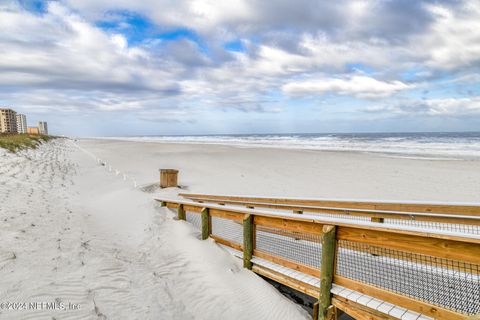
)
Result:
{"points": [[72, 232]]}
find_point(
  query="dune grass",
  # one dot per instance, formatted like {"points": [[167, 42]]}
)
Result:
{"points": [[15, 142]]}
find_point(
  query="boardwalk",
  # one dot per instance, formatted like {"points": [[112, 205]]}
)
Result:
{"points": [[451, 283]]}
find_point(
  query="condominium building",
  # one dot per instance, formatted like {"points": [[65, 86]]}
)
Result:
{"points": [[42, 127], [21, 123], [8, 121]]}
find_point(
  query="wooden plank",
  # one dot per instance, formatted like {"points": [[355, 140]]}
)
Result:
{"points": [[370, 213], [315, 310], [331, 313], [358, 311], [172, 205], [425, 308], [458, 209], [423, 234], [227, 243], [225, 214], [288, 263], [287, 224], [326, 270], [287, 281], [190, 208], [441, 248], [186, 207]]}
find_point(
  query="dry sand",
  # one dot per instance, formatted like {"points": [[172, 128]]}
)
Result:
{"points": [[295, 173], [73, 232]]}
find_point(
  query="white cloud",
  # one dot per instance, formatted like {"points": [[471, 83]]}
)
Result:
{"points": [[66, 62], [120, 41], [62, 50], [358, 86], [452, 40], [432, 107], [325, 34]]}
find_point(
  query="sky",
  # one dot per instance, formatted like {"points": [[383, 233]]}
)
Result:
{"points": [[168, 67]]}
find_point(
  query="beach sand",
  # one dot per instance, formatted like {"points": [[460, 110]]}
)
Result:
{"points": [[74, 231], [295, 173]]}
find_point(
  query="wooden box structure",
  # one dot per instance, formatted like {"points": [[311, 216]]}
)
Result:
{"points": [[168, 178]]}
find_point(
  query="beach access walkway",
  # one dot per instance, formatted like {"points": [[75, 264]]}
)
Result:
{"points": [[372, 260]]}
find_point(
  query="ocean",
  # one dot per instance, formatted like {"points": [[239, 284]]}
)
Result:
{"points": [[438, 145]]}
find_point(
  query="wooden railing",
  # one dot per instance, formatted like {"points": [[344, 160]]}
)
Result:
{"points": [[375, 211], [422, 272]]}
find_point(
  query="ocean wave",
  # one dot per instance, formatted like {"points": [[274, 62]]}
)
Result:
{"points": [[422, 145]]}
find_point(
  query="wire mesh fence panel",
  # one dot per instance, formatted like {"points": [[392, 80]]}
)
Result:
{"points": [[302, 248], [464, 228], [440, 226], [447, 283], [231, 230], [195, 219]]}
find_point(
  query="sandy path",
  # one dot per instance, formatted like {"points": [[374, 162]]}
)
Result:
{"points": [[72, 232]]}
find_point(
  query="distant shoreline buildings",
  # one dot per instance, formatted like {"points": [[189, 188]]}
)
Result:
{"points": [[43, 127], [21, 123], [12, 122]]}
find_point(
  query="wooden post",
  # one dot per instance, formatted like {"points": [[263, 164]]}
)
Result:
{"points": [[248, 239], [181, 212], [205, 224], [326, 271]]}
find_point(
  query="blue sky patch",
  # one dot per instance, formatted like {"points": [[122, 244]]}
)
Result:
{"points": [[235, 45], [359, 67], [137, 29], [36, 6]]}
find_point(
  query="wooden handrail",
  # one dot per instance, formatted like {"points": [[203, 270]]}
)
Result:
{"points": [[375, 215], [440, 247], [462, 209], [237, 214]]}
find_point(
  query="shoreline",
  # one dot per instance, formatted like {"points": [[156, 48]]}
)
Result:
{"points": [[398, 155]]}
